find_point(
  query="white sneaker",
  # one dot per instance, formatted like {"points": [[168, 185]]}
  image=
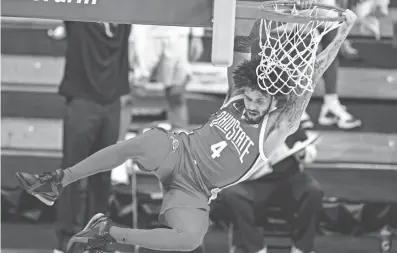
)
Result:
{"points": [[337, 115], [57, 251]]}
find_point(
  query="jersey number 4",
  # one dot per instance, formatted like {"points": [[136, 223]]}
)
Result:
{"points": [[217, 149]]}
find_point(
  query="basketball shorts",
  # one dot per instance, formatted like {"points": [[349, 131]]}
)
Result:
{"points": [[167, 155]]}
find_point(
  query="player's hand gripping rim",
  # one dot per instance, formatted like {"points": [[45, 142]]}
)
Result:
{"points": [[346, 26], [350, 17]]}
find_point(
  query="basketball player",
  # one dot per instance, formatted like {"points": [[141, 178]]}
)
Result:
{"points": [[194, 167]]}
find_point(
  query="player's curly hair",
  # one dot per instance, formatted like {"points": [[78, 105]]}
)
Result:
{"points": [[245, 76]]}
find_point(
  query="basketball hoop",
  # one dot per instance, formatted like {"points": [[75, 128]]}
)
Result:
{"points": [[293, 45]]}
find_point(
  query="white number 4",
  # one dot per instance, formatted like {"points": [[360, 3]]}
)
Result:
{"points": [[217, 148]]}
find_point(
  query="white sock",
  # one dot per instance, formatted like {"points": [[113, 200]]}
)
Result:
{"points": [[331, 99]]}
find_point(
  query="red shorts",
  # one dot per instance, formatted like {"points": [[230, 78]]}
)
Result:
{"points": [[167, 155]]}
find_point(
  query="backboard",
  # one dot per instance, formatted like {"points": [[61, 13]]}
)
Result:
{"points": [[220, 15]]}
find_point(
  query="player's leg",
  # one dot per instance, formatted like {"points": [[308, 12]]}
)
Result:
{"points": [[187, 228], [148, 150]]}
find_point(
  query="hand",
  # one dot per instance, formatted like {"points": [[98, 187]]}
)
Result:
{"points": [[350, 18], [346, 26]]}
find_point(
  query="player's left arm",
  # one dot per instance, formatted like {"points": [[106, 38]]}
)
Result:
{"points": [[295, 106]]}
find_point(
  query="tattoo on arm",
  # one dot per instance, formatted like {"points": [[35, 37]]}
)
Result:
{"points": [[325, 58], [296, 105], [294, 108]]}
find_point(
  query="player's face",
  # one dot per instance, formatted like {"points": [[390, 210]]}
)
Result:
{"points": [[256, 105]]}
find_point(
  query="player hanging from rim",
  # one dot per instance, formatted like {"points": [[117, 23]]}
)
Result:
{"points": [[194, 167]]}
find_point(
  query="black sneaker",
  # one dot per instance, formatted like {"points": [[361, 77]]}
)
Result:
{"points": [[94, 237], [46, 186]]}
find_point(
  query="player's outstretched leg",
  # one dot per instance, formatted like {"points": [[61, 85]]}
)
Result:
{"points": [[188, 227], [148, 150]]}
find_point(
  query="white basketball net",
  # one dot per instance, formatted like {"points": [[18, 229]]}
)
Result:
{"points": [[291, 47]]}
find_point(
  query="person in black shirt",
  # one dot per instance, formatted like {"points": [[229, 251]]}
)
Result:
{"points": [[95, 78]]}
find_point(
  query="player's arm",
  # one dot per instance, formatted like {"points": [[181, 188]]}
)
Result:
{"points": [[285, 121], [240, 54], [295, 106]]}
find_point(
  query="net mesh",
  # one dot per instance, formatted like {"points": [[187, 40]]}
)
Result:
{"points": [[288, 53]]}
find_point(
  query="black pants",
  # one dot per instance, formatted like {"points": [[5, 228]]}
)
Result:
{"points": [[331, 74], [87, 128], [294, 191]]}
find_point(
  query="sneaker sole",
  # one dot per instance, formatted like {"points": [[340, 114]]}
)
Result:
{"points": [[27, 189], [76, 239]]}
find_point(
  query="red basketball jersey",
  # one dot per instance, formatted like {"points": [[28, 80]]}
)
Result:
{"points": [[226, 147]]}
